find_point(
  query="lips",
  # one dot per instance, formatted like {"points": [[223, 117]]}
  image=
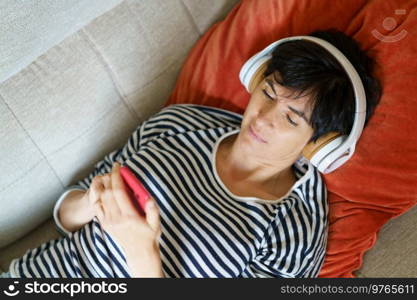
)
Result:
{"points": [[256, 136]]}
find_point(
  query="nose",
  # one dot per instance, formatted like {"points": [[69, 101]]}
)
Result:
{"points": [[266, 116]]}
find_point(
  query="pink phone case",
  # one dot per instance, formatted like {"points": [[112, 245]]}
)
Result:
{"points": [[135, 189]]}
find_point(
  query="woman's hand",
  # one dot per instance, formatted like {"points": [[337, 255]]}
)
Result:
{"points": [[118, 216]]}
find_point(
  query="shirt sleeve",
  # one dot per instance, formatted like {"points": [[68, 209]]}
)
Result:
{"points": [[289, 250], [103, 166]]}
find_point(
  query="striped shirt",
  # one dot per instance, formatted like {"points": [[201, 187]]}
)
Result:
{"points": [[207, 231]]}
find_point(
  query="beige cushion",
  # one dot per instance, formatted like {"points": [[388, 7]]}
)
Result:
{"points": [[29, 28], [43, 233], [394, 254]]}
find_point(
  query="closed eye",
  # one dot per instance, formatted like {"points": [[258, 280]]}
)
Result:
{"points": [[291, 121], [271, 98], [267, 95]]}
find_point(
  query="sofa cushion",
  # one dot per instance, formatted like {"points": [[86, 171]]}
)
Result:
{"points": [[378, 182], [43, 233], [394, 253], [29, 28]]}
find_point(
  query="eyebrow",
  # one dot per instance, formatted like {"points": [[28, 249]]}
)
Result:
{"points": [[270, 83], [299, 113]]}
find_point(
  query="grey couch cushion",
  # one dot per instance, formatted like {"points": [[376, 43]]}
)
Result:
{"points": [[43, 233], [30, 27]]}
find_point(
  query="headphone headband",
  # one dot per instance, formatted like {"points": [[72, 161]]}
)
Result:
{"points": [[338, 151]]}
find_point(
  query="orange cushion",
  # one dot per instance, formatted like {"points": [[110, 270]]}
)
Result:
{"points": [[379, 181]]}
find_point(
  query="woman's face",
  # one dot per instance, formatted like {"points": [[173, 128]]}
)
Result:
{"points": [[275, 126]]}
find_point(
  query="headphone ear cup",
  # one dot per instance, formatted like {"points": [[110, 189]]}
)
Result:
{"points": [[312, 148], [252, 71], [257, 77]]}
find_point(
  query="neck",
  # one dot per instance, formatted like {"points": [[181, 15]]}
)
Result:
{"points": [[244, 167]]}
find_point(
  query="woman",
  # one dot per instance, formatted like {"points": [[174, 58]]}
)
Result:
{"points": [[232, 195]]}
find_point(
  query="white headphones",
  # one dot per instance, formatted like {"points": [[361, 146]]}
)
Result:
{"points": [[333, 149]]}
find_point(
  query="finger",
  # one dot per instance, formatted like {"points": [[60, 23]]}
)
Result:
{"points": [[152, 215], [97, 181], [96, 188], [99, 211], [105, 179], [110, 207], [94, 197], [119, 190], [109, 202]]}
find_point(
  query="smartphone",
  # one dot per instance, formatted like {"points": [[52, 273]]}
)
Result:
{"points": [[137, 192]]}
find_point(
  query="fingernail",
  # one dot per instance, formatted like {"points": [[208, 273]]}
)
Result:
{"points": [[150, 205]]}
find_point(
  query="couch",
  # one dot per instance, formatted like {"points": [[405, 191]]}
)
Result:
{"points": [[76, 79]]}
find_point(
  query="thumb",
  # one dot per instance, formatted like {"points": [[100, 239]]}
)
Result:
{"points": [[152, 215]]}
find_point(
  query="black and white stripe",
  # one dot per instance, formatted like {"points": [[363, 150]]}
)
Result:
{"points": [[206, 230]]}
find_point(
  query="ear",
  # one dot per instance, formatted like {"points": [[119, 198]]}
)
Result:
{"points": [[313, 147]]}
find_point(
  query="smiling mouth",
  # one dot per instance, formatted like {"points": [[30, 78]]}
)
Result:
{"points": [[253, 134]]}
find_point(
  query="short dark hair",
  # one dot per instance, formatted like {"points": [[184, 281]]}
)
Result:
{"points": [[307, 68]]}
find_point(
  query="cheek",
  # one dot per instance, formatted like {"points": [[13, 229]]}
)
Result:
{"points": [[251, 110], [291, 139], [254, 103]]}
